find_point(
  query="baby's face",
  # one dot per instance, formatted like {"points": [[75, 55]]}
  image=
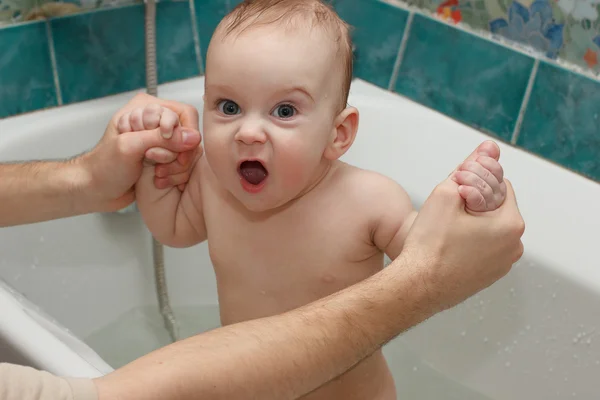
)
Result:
{"points": [[271, 99]]}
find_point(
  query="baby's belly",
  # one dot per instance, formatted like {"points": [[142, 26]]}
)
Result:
{"points": [[254, 290]]}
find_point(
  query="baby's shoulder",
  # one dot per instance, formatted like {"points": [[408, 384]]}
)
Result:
{"points": [[370, 186]]}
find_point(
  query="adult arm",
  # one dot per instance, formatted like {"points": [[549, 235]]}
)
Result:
{"points": [[99, 180], [448, 256]]}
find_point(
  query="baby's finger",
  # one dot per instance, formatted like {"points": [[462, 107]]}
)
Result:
{"points": [[168, 122], [172, 168], [172, 180], [493, 166], [151, 116], [483, 173], [468, 178], [160, 155], [123, 125], [473, 198], [136, 119]]}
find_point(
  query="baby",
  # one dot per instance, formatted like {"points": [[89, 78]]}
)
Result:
{"points": [[286, 222]]}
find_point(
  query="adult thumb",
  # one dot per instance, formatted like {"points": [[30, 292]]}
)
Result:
{"points": [[139, 142]]}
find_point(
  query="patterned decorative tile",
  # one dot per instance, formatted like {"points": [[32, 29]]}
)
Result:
{"points": [[562, 122], [175, 51], [26, 81], [466, 77], [95, 58], [377, 33], [208, 15]]}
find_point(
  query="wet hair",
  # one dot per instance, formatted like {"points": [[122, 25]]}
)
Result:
{"points": [[290, 14]]}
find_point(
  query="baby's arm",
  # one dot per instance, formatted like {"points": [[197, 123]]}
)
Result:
{"points": [[173, 217], [481, 186]]}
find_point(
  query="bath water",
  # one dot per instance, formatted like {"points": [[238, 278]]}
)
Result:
{"points": [[141, 331]]}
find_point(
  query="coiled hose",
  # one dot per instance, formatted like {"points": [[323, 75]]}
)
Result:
{"points": [[157, 249]]}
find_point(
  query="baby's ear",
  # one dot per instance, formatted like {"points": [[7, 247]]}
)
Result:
{"points": [[344, 132]]}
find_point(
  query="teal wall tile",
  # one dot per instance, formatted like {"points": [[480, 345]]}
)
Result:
{"points": [[377, 33], [466, 77], [562, 122], [100, 53], [208, 15], [26, 81], [175, 51]]}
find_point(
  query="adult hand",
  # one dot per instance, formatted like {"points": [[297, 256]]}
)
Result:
{"points": [[468, 251], [116, 163]]}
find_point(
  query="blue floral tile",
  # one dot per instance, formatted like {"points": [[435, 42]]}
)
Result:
{"points": [[377, 30], [208, 15], [175, 51], [562, 122], [533, 25], [26, 81], [466, 77], [100, 53]]}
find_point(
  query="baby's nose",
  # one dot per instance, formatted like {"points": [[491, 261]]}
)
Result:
{"points": [[251, 134]]}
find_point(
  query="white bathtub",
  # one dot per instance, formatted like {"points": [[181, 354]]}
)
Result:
{"points": [[533, 335]]}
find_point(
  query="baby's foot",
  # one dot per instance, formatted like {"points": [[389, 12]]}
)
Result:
{"points": [[482, 181]]}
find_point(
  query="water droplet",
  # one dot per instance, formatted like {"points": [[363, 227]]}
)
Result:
{"points": [[507, 364], [506, 349], [36, 260], [415, 369], [566, 379], [581, 326], [514, 341], [556, 281], [574, 394], [597, 362], [42, 240], [481, 302], [481, 317], [463, 333], [540, 286], [33, 266], [575, 356], [528, 327], [497, 343], [485, 340], [263, 292], [550, 369], [553, 295]]}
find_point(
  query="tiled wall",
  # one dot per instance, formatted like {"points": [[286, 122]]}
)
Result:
{"points": [[516, 96]]}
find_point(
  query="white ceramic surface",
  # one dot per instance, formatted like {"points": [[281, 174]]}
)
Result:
{"points": [[530, 336]]}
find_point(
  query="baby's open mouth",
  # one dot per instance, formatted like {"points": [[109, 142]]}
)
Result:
{"points": [[253, 172]]}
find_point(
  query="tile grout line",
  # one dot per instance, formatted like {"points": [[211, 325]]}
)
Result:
{"points": [[498, 40], [53, 63], [525, 104], [401, 51], [196, 36]]}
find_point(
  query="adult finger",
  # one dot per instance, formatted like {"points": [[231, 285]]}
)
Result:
{"points": [[135, 144], [160, 155]]}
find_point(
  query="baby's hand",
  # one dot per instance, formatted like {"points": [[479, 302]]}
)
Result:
{"points": [[173, 168], [482, 183]]}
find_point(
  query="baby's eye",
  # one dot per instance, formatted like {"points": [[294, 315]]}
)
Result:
{"points": [[285, 111], [228, 107]]}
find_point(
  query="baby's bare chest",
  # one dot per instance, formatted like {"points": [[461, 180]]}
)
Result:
{"points": [[304, 245]]}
